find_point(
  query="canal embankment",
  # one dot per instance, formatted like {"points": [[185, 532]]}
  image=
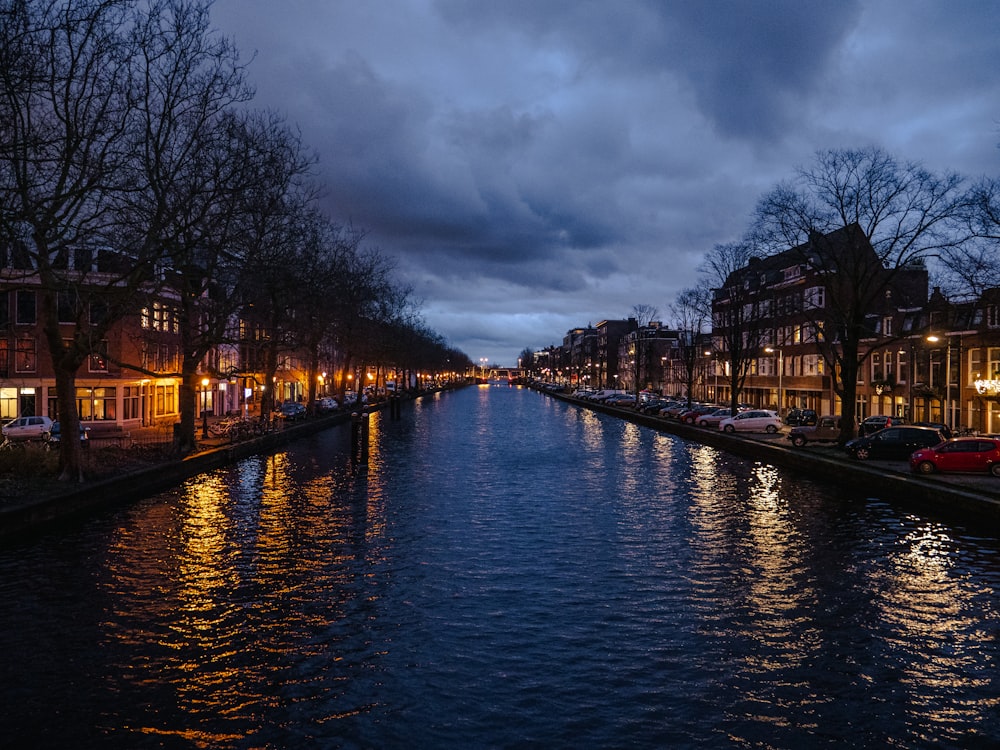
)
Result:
{"points": [[73, 501], [973, 495], [70, 502]]}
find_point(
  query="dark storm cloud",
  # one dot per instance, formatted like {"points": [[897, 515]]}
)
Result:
{"points": [[537, 165]]}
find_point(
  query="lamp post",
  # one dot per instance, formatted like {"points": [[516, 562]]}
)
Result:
{"points": [[909, 383], [204, 408], [709, 363], [781, 369], [947, 378]]}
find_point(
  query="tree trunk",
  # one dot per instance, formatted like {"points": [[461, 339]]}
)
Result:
{"points": [[184, 440], [70, 452]]}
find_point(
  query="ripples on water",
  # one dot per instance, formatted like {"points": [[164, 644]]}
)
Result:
{"points": [[507, 571]]}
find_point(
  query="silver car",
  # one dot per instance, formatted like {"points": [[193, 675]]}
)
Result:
{"points": [[27, 428], [755, 420]]}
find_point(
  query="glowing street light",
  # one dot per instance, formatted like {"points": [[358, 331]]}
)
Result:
{"points": [[781, 368], [947, 377], [204, 408]]}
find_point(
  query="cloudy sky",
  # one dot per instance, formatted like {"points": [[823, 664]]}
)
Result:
{"points": [[536, 165]]}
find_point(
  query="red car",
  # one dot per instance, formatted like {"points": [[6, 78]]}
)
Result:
{"points": [[966, 454]]}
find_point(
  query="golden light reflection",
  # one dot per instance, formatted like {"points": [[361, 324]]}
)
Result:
{"points": [[932, 617], [592, 435], [780, 598], [741, 521], [375, 510]]}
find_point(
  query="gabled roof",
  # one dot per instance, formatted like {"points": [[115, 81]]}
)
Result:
{"points": [[762, 272]]}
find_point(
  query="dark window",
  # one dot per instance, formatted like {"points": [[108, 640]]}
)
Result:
{"points": [[20, 258], [83, 259], [66, 307], [98, 312], [60, 260], [26, 314]]}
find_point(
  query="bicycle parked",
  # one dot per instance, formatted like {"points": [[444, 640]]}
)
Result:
{"points": [[239, 428]]}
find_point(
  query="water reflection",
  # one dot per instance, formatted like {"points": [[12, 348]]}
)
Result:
{"points": [[503, 555], [936, 632]]}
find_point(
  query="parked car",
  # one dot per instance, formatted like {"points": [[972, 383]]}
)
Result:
{"points": [[54, 434], [673, 409], [964, 454], [292, 410], [878, 422], [654, 405], [604, 394], [620, 399], [326, 405], [755, 420], [945, 429], [893, 442], [351, 398], [27, 428], [691, 415], [712, 418], [825, 430], [799, 417]]}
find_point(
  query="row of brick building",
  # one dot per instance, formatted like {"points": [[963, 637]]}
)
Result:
{"points": [[110, 392], [927, 357]]}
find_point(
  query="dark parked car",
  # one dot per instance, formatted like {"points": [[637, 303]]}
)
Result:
{"points": [[292, 410], [939, 425], [971, 454], [54, 435], [878, 422], [654, 405], [893, 442], [801, 417]]}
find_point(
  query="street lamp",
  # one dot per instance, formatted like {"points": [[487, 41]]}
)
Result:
{"points": [[715, 386], [204, 408], [947, 377], [909, 381], [781, 369]]}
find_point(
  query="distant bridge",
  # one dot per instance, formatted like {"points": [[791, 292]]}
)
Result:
{"points": [[499, 373]]}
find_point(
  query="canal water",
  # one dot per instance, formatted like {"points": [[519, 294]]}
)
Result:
{"points": [[506, 571]]}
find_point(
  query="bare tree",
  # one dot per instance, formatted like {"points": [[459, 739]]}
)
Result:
{"points": [[644, 315], [276, 244], [737, 300], [194, 162], [893, 217], [66, 117], [363, 290], [971, 267], [691, 314]]}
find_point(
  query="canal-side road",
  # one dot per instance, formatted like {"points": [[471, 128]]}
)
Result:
{"points": [[965, 494]]}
